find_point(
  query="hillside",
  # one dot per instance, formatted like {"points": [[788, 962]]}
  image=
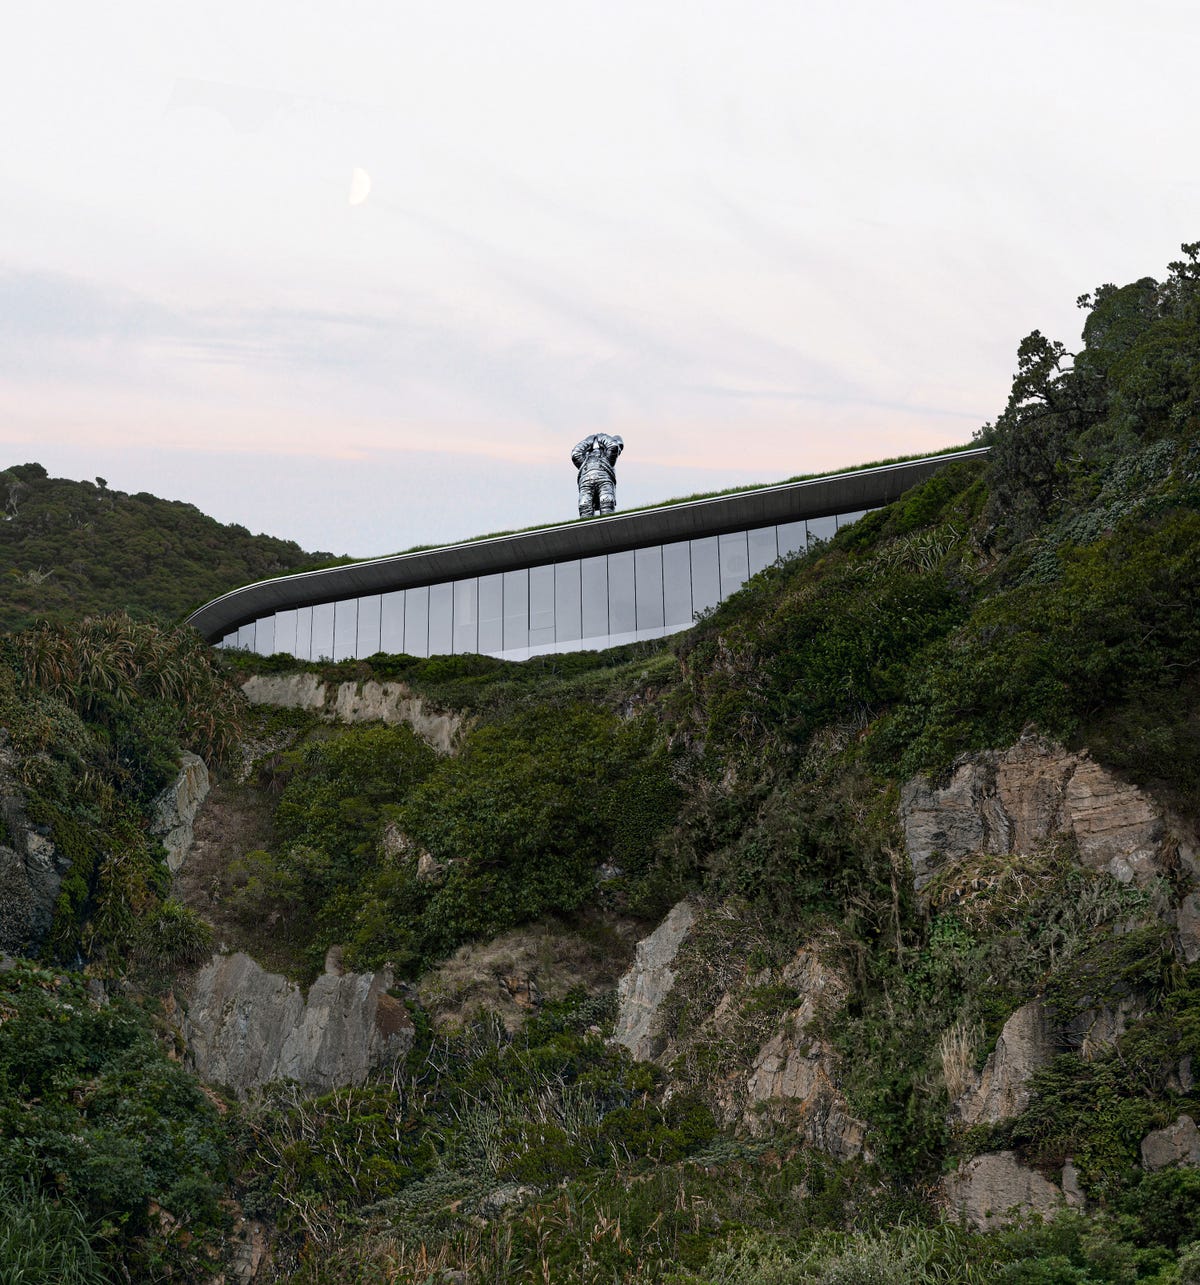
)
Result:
{"points": [[896, 857], [72, 549]]}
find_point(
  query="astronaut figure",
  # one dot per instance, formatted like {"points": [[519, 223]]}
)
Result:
{"points": [[595, 458]]}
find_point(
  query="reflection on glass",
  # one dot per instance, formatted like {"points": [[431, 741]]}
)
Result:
{"points": [[304, 617], [622, 612], [568, 619], [441, 619], [793, 538], [322, 631], [369, 612], [345, 628], [648, 579], [594, 587], [516, 609], [821, 529], [416, 621], [245, 637], [391, 623], [844, 519], [735, 562], [264, 636], [706, 575], [285, 632], [541, 605], [491, 613], [763, 549], [677, 584], [466, 615]]}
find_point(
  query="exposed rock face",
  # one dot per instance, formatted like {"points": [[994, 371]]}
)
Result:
{"points": [[370, 702], [794, 1074], [1017, 799], [1177, 1144], [993, 1189], [31, 868], [1187, 922], [175, 809], [245, 1027], [1001, 1090], [642, 990]]}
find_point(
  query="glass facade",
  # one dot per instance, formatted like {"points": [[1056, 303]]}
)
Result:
{"points": [[588, 603]]}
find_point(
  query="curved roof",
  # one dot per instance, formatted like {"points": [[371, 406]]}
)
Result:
{"points": [[744, 510]]}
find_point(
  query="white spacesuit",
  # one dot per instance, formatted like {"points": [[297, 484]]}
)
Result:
{"points": [[595, 458]]}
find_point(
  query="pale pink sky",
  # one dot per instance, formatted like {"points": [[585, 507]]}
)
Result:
{"points": [[754, 240]]}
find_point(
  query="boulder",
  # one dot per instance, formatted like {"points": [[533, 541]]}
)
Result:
{"points": [[1016, 800], [245, 1027], [1177, 1144], [1001, 1091], [993, 1189], [173, 813], [641, 991]]}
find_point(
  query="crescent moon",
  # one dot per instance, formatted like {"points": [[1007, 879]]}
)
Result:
{"points": [[360, 186]]}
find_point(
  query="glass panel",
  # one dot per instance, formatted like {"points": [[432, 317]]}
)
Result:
{"points": [[821, 529], [466, 615], [304, 617], [264, 636], [677, 584], [285, 632], [594, 576], [706, 577], [391, 623], [735, 562], [541, 605], [793, 538], [322, 632], [245, 637], [416, 621], [516, 609], [441, 619], [844, 519], [622, 616], [763, 549], [491, 613], [230, 640], [568, 617], [648, 578], [369, 613], [345, 628]]}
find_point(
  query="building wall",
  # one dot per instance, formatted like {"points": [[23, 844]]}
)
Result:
{"points": [[585, 603]]}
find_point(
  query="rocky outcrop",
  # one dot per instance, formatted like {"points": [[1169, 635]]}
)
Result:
{"points": [[369, 702], [991, 1190], [174, 811], [1177, 1144], [245, 1027], [31, 868], [1016, 800], [793, 1077], [641, 991], [1001, 1090]]}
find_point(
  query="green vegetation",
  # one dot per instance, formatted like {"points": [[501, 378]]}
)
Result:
{"points": [[515, 826], [95, 1118], [71, 549]]}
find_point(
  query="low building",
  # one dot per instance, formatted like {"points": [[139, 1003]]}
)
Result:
{"points": [[587, 584]]}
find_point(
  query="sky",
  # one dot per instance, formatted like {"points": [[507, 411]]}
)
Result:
{"points": [[361, 275]]}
